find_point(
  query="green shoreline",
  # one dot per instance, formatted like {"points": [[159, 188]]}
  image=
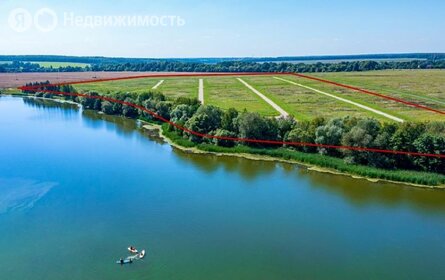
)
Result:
{"points": [[311, 167], [280, 155]]}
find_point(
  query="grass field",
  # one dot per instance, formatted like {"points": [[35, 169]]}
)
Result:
{"points": [[135, 85], [302, 103], [228, 92], [400, 110], [420, 86], [179, 87], [61, 64], [54, 64], [425, 87], [171, 87]]}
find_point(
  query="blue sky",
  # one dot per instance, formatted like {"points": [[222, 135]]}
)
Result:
{"points": [[234, 28]]}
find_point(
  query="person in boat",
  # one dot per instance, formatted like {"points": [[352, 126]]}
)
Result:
{"points": [[121, 260], [132, 248]]}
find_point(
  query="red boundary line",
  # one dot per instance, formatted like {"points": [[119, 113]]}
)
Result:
{"points": [[245, 140]]}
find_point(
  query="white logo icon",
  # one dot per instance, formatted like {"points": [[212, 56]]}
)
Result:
{"points": [[20, 20], [44, 20]]}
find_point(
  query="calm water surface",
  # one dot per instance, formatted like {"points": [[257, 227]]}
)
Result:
{"points": [[76, 188]]}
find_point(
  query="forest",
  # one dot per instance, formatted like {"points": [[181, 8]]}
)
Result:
{"points": [[228, 66]]}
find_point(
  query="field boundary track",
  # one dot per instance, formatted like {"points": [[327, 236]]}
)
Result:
{"points": [[158, 84], [201, 91], [236, 139], [375, 111], [277, 108]]}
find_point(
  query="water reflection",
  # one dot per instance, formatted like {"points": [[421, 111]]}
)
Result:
{"points": [[17, 194], [50, 105], [363, 193], [248, 169], [358, 192], [126, 127], [66, 110]]}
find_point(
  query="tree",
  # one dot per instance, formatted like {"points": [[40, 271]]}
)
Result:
{"points": [[68, 89], [228, 120], [90, 102], [403, 140], [383, 141], [362, 135], [285, 125], [187, 101], [430, 144], [254, 126], [182, 113], [223, 142], [107, 108], [129, 111], [163, 109], [303, 132], [206, 120], [144, 96], [117, 108], [330, 134]]}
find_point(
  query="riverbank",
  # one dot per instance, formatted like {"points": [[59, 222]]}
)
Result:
{"points": [[311, 161], [301, 159]]}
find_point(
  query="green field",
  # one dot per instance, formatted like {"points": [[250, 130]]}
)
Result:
{"points": [[420, 86], [228, 92], [396, 109], [133, 85], [305, 104], [424, 87], [61, 64], [53, 64], [179, 87], [171, 87]]}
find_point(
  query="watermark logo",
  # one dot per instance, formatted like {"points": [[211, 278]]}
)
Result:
{"points": [[20, 20], [46, 20]]}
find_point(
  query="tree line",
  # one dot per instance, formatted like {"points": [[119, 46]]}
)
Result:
{"points": [[214, 60], [239, 66], [230, 66], [29, 67], [347, 131]]}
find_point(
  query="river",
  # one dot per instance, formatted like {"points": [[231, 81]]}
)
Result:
{"points": [[77, 188]]}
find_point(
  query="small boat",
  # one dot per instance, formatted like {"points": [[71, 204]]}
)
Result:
{"points": [[141, 255], [132, 250], [132, 257], [126, 261]]}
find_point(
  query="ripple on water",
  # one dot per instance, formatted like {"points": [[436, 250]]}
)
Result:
{"points": [[21, 194]]}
